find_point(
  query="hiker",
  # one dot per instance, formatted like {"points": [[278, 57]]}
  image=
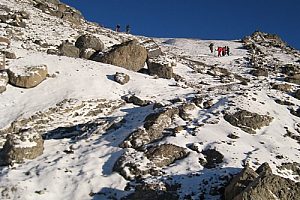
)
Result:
{"points": [[118, 27], [223, 51], [227, 50], [219, 51], [211, 47], [127, 29]]}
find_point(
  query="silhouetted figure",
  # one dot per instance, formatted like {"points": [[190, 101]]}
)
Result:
{"points": [[118, 27], [227, 50], [127, 29], [219, 51], [223, 51], [211, 47]]}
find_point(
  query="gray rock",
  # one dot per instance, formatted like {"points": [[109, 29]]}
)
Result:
{"points": [[3, 81], [18, 147], [67, 49], [297, 94], [121, 78], [135, 100], [293, 79], [152, 48], [260, 72], [129, 55], [154, 125], [261, 185], [240, 182], [86, 53], [282, 87], [88, 41], [160, 67], [166, 154], [248, 121], [213, 158], [27, 76]]}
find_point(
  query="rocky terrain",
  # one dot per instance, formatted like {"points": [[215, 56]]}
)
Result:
{"points": [[89, 113]]}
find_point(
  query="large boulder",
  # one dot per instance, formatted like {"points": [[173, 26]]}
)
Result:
{"points": [[165, 154], [3, 81], [27, 76], [161, 67], [68, 49], [248, 121], [18, 147], [88, 41], [260, 185], [129, 55], [153, 128], [293, 79]]}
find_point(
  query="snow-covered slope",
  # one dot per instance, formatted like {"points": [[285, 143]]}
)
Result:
{"points": [[81, 98]]}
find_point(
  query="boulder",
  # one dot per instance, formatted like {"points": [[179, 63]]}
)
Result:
{"points": [[240, 182], [88, 41], [152, 191], [129, 55], [161, 67], [9, 54], [153, 128], [248, 121], [136, 100], [166, 154], [3, 81], [152, 48], [27, 76], [68, 49], [293, 79], [260, 72], [261, 184], [213, 158], [121, 78], [282, 87], [18, 147]]}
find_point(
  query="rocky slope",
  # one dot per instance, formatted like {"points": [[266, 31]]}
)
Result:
{"points": [[88, 113]]}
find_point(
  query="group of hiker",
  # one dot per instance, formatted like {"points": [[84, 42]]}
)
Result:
{"points": [[118, 28], [222, 51]]}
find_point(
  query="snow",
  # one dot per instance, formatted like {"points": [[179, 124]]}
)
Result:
{"points": [[75, 87]]}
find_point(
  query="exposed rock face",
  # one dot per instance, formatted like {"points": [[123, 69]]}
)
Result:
{"points": [[240, 182], [248, 121], [152, 191], [68, 49], [136, 164], [129, 55], [165, 154], [25, 145], [89, 41], [213, 158], [3, 81], [121, 78], [297, 94], [60, 10], [27, 76], [160, 67], [282, 87], [9, 54], [152, 48], [294, 79], [14, 18], [136, 100], [262, 184], [265, 39], [154, 125]]}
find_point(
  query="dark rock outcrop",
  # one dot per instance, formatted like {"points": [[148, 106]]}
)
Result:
{"points": [[261, 184], [129, 55], [248, 121], [136, 100], [213, 158], [282, 87], [165, 154], [293, 79]]}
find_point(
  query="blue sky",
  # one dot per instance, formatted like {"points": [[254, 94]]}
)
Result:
{"points": [[204, 19]]}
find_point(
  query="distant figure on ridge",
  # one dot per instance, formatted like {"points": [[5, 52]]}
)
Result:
{"points": [[127, 29], [118, 27], [227, 50], [211, 47], [219, 51], [223, 51]]}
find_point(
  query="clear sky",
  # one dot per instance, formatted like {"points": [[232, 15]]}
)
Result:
{"points": [[204, 19]]}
